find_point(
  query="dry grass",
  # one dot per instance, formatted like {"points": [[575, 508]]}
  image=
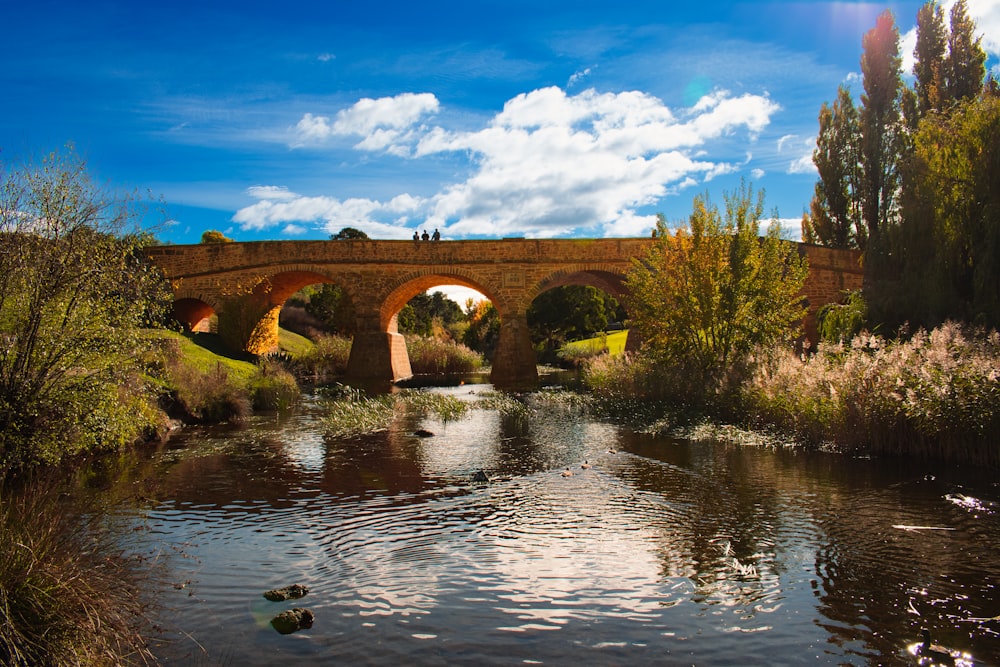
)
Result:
{"points": [[935, 395], [67, 594], [429, 355]]}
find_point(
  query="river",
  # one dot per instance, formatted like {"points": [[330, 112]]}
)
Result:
{"points": [[590, 544]]}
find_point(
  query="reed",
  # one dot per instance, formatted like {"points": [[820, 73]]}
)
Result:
{"points": [[935, 395], [430, 355], [67, 594], [351, 413]]}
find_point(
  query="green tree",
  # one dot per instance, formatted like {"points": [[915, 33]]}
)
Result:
{"points": [[835, 212], [950, 238], [929, 58], [966, 66], [74, 292], [710, 293], [420, 315], [348, 233], [329, 304], [568, 313], [214, 236], [881, 131]]}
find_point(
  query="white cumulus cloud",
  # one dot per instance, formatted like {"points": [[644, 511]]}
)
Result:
{"points": [[547, 164]]}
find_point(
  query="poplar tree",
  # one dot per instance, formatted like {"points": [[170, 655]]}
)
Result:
{"points": [[834, 218], [880, 129], [929, 66], [966, 65]]}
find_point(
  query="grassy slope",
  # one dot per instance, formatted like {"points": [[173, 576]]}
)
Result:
{"points": [[293, 343], [205, 352], [616, 343]]}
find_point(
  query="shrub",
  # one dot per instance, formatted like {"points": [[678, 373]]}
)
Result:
{"points": [[575, 355], [74, 292], [842, 321], [273, 388], [209, 397], [67, 596]]}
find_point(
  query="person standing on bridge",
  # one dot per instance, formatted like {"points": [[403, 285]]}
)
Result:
{"points": [[425, 236], [437, 235], [416, 235]]}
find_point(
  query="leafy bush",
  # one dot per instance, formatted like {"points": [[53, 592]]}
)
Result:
{"points": [[840, 322], [74, 292], [708, 295]]}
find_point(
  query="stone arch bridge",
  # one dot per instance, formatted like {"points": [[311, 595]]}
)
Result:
{"points": [[245, 285]]}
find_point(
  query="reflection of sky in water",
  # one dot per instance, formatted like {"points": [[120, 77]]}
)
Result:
{"points": [[398, 546]]}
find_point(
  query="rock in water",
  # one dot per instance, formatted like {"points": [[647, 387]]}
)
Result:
{"points": [[293, 592], [423, 433], [292, 620]]}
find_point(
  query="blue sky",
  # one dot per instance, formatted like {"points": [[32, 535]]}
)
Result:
{"points": [[537, 119]]}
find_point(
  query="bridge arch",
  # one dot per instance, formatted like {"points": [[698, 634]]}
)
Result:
{"points": [[378, 350], [409, 286], [193, 313]]}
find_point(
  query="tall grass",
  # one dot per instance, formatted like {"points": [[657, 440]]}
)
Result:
{"points": [[935, 395], [211, 396], [429, 354], [67, 594], [273, 387], [326, 360]]}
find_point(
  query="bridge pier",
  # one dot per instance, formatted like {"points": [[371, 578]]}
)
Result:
{"points": [[249, 323], [377, 355], [514, 365]]}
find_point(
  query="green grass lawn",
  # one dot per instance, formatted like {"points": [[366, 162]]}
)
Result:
{"points": [[205, 351], [615, 342], [293, 343]]}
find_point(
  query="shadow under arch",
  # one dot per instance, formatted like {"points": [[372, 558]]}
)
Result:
{"points": [[248, 319], [193, 313]]}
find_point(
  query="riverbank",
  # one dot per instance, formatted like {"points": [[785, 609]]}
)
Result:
{"points": [[934, 396]]}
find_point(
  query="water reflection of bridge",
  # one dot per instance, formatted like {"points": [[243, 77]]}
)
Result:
{"points": [[245, 285]]}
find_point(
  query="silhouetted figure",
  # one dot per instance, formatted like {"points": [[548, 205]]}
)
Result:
{"points": [[416, 235], [437, 235], [425, 236]]}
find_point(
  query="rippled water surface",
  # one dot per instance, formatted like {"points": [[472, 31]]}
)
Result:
{"points": [[660, 552]]}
